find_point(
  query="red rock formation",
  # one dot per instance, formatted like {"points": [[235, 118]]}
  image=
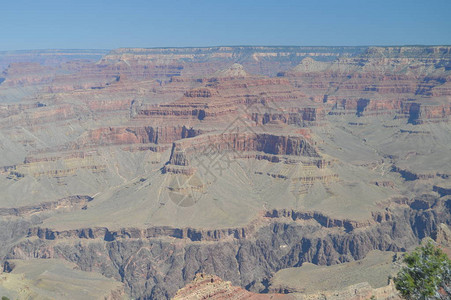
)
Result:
{"points": [[382, 80], [23, 73], [241, 142], [135, 135], [212, 287], [292, 117], [223, 94]]}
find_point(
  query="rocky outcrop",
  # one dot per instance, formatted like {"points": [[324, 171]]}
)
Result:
{"points": [[200, 61], [381, 80], [298, 117], [237, 143], [409, 175], [236, 71], [443, 236], [26, 73], [209, 109], [69, 203], [208, 235], [37, 114], [442, 190], [354, 292], [419, 113], [224, 93], [136, 135], [212, 287], [248, 262], [7, 110], [195, 235]]}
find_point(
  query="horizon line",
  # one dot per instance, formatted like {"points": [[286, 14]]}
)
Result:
{"points": [[231, 46]]}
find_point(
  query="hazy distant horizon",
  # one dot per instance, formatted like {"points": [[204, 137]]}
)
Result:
{"points": [[218, 46], [53, 24]]}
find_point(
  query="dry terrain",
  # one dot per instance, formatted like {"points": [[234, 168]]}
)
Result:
{"points": [[267, 168]]}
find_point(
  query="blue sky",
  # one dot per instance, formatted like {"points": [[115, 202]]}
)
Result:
{"points": [[99, 24]]}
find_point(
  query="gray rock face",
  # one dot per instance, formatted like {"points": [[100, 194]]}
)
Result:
{"points": [[157, 268], [12, 231]]}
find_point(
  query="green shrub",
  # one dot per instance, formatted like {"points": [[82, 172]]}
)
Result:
{"points": [[426, 276]]}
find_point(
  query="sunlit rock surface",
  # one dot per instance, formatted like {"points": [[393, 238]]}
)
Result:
{"points": [[149, 166]]}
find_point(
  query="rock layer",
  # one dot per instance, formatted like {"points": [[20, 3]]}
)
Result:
{"points": [[191, 162]]}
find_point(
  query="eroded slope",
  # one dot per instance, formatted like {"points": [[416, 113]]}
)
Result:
{"points": [[152, 165]]}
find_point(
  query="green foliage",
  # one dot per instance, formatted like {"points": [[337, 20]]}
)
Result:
{"points": [[5, 298], [426, 276]]}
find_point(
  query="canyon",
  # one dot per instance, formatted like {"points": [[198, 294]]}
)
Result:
{"points": [[221, 172]]}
